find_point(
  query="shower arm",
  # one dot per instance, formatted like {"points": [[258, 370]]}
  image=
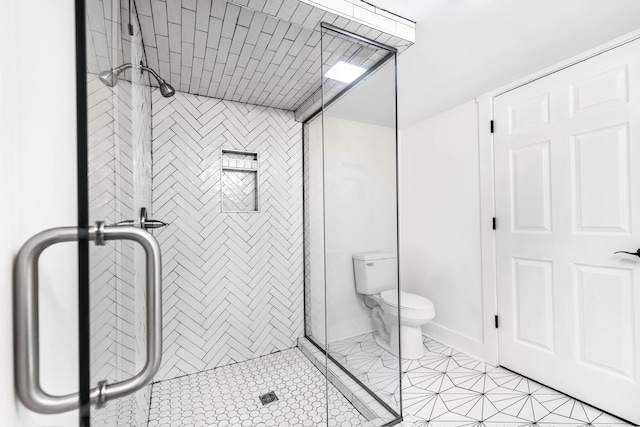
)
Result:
{"points": [[140, 66]]}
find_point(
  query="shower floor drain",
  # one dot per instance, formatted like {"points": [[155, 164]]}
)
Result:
{"points": [[268, 398]]}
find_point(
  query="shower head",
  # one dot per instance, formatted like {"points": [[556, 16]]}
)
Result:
{"points": [[165, 88], [110, 78]]}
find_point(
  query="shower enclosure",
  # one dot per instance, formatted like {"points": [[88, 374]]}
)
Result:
{"points": [[350, 200], [258, 199]]}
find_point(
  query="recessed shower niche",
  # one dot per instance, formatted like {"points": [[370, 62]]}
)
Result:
{"points": [[240, 176]]}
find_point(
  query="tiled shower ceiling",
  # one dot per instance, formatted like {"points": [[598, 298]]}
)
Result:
{"points": [[253, 51]]}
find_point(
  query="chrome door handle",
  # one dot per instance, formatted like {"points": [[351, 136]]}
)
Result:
{"points": [[636, 253], [26, 333]]}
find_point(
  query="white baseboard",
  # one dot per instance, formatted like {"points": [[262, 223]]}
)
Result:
{"points": [[455, 340]]}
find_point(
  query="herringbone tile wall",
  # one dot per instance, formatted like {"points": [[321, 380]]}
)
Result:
{"points": [[142, 186], [119, 185], [233, 282], [111, 200], [101, 150]]}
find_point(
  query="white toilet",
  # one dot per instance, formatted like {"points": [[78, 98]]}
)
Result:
{"points": [[377, 280]]}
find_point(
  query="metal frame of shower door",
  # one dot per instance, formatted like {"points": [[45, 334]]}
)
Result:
{"points": [[84, 327], [392, 53]]}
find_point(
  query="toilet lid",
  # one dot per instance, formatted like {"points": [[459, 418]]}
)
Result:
{"points": [[409, 301]]}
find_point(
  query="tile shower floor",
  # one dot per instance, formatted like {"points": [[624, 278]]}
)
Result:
{"points": [[444, 388], [449, 388], [229, 396]]}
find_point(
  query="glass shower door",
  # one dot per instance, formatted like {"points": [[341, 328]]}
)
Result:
{"points": [[119, 191], [359, 161]]}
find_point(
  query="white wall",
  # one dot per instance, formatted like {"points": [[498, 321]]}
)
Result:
{"points": [[38, 188], [360, 214], [440, 223]]}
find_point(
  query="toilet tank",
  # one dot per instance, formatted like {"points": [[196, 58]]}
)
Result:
{"points": [[375, 272]]}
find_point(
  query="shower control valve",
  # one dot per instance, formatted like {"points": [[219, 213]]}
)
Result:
{"points": [[144, 222]]}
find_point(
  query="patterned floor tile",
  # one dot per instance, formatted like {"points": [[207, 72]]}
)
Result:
{"points": [[452, 389], [428, 379], [229, 396], [445, 388]]}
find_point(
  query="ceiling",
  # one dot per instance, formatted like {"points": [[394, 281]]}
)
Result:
{"points": [[258, 52], [465, 48]]}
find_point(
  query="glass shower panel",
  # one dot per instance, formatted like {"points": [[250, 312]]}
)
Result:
{"points": [[359, 144], [119, 178]]}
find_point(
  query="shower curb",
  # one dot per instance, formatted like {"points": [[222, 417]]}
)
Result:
{"points": [[367, 405]]}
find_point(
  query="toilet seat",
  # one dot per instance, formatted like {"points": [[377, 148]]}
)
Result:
{"points": [[412, 305]]}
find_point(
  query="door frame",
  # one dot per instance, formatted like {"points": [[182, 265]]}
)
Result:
{"points": [[488, 259]]}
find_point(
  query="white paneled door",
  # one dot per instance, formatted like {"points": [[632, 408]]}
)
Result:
{"points": [[567, 164]]}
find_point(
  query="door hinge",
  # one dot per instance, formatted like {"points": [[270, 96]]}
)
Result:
{"points": [[493, 223], [491, 126], [496, 321]]}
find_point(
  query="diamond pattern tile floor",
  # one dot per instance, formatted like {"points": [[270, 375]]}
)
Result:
{"points": [[445, 388], [449, 388], [230, 396]]}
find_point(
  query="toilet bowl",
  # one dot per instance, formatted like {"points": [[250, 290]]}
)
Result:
{"points": [[377, 280]]}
